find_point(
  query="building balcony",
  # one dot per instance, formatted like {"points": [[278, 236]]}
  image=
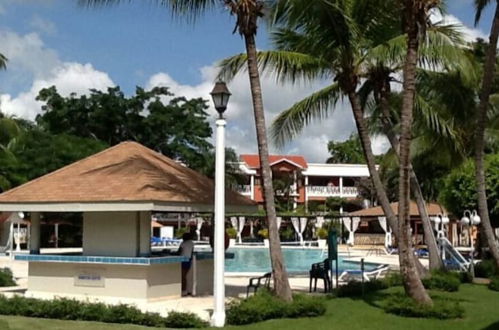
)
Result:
{"points": [[331, 191], [244, 189]]}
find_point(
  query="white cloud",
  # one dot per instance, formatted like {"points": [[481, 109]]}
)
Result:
{"points": [[42, 25], [28, 54], [469, 33], [241, 135], [28, 57], [68, 78]]}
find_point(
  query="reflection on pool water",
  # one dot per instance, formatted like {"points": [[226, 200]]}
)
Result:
{"points": [[257, 260]]}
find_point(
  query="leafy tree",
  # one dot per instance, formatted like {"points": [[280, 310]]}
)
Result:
{"points": [[459, 188], [38, 153], [481, 122], [347, 152], [175, 126]]}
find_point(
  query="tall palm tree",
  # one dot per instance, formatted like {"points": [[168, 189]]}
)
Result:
{"points": [[488, 76], [338, 35], [247, 13], [379, 69]]}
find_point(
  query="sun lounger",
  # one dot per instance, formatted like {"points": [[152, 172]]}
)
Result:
{"points": [[352, 274]]}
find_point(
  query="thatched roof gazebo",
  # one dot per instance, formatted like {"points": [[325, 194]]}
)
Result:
{"points": [[116, 190]]}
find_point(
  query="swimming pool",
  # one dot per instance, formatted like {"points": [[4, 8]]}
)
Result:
{"points": [[257, 260]]}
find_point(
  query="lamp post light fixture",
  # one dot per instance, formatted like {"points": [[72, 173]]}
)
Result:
{"points": [[471, 219], [220, 96]]}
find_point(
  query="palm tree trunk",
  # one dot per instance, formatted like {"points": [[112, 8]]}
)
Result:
{"points": [[412, 282], [488, 77], [365, 140], [434, 258], [281, 281]]}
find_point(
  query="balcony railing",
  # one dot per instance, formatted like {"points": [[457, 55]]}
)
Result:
{"points": [[244, 189], [331, 191]]}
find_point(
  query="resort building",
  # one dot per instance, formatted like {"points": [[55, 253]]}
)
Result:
{"points": [[306, 181]]}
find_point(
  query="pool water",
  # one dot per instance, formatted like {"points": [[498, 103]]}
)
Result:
{"points": [[257, 260]]}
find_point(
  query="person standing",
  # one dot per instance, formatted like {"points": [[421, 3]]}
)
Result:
{"points": [[186, 249]]}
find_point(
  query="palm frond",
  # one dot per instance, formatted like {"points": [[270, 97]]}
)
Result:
{"points": [[315, 107], [3, 62], [479, 7], [188, 8], [285, 65]]}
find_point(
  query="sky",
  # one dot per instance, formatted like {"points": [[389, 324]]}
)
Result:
{"points": [[56, 42]]}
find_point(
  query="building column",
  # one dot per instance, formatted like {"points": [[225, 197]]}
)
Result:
{"points": [[295, 190], [144, 233], [252, 186], [306, 194], [341, 186], [34, 235]]}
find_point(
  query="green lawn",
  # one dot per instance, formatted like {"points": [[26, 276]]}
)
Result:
{"points": [[481, 304]]}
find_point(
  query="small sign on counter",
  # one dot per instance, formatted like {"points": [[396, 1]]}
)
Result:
{"points": [[89, 278]]}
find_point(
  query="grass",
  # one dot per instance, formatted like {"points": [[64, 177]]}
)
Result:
{"points": [[479, 302]]}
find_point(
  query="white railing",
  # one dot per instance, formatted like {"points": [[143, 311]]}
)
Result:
{"points": [[350, 191], [292, 192], [244, 189], [331, 191]]}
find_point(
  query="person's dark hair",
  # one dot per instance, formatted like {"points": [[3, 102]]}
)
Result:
{"points": [[186, 236]]}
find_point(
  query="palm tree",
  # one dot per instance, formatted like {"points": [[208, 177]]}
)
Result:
{"points": [[336, 36], [481, 121], [379, 67], [247, 13]]}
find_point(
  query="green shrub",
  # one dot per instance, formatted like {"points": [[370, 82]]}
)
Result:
{"points": [[402, 305], [354, 288], [265, 306], [184, 320], [444, 281], [465, 277], [494, 283], [263, 233], [393, 279], [231, 232], [287, 234], [322, 233], [69, 309], [486, 268], [6, 277], [181, 231]]}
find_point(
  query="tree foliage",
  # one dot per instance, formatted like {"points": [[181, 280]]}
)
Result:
{"points": [[346, 152], [459, 190], [175, 126]]}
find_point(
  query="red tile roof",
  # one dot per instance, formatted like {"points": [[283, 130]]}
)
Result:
{"points": [[127, 172], [253, 161]]}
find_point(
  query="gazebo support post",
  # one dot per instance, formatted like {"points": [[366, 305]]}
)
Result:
{"points": [[35, 233], [144, 234]]}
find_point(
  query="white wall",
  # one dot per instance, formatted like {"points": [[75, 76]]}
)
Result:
{"points": [[113, 234]]}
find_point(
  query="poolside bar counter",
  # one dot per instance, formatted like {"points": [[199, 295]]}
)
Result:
{"points": [[116, 190]]}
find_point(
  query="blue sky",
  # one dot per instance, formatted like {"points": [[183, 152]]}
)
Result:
{"points": [[56, 42]]}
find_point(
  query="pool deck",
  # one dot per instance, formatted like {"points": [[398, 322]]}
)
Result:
{"points": [[235, 283]]}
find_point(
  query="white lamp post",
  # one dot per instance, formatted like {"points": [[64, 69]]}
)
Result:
{"points": [[220, 95], [469, 220]]}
